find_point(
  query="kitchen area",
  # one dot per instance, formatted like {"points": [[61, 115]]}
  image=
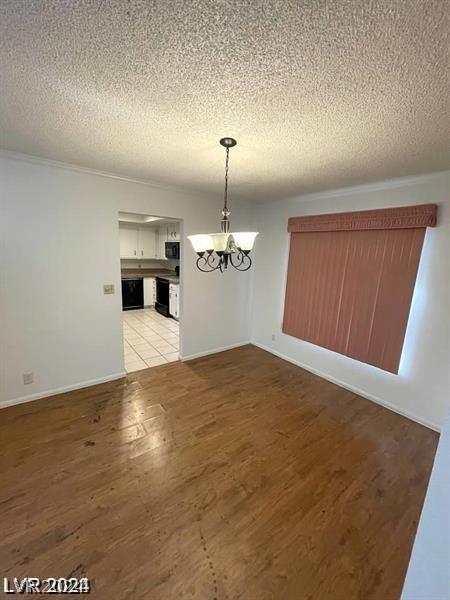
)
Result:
{"points": [[150, 273]]}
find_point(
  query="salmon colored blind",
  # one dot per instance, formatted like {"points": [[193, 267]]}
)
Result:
{"points": [[351, 279]]}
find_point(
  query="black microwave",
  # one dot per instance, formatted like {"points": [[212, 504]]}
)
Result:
{"points": [[172, 249]]}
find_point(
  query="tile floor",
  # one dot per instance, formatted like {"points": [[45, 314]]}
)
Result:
{"points": [[149, 339]]}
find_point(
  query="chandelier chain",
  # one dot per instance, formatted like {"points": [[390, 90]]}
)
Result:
{"points": [[225, 196]]}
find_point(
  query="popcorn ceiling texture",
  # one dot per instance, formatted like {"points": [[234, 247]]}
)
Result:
{"points": [[319, 94]]}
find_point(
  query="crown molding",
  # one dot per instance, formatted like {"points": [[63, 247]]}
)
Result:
{"points": [[48, 162], [374, 186]]}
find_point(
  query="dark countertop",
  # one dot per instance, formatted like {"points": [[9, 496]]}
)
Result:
{"points": [[169, 275]]}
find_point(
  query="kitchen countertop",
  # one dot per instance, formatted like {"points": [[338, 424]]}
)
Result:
{"points": [[169, 275]]}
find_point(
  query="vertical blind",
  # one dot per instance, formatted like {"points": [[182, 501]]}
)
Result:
{"points": [[351, 279]]}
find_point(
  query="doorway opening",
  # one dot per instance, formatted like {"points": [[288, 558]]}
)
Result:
{"points": [[150, 260]]}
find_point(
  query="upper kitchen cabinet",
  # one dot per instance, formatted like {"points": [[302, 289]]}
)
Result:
{"points": [[137, 242], [146, 243], [161, 243], [128, 242], [173, 232]]}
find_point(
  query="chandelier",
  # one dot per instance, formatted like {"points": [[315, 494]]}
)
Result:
{"points": [[218, 250]]}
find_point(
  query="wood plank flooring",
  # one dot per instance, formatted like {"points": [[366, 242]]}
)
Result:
{"points": [[235, 476]]}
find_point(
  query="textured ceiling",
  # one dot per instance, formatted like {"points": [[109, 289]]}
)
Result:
{"points": [[319, 93]]}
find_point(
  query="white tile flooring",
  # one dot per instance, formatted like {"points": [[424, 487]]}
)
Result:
{"points": [[149, 339]]}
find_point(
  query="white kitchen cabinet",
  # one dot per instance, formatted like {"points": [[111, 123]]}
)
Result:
{"points": [[174, 300], [138, 242], [161, 243], [173, 232], [149, 291], [128, 242], [146, 243]]}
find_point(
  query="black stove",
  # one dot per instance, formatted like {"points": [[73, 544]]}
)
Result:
{"points": [[162, 296]]}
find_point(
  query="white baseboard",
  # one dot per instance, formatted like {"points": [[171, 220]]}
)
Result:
{"points": [[213, 351], [61, 390], [317, 372], [352, 388]]}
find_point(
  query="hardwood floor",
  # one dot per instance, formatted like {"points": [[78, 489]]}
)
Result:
{"points": [[233, 476]]}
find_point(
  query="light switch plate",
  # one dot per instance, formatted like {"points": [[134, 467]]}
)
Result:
{"points": [[108, 288], [28, 378]]}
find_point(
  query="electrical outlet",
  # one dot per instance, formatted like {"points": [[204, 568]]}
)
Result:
{"points": [[28, 378], [273, 337], [108, 288]]}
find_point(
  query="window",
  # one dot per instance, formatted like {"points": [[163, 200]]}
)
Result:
{"points": [[351, 279]]}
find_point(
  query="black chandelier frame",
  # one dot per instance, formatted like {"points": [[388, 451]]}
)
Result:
{"points": [[212, 261]]}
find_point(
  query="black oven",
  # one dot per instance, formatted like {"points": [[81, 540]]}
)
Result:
{"points": [[162, 296], [172, 249]]}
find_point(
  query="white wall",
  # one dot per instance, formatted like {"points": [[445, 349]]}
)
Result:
{"points": [[421, 389], [427, 575], [60, 244]]}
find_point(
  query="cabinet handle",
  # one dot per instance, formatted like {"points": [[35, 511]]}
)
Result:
{"points": [[135, 252], [142, 253]]}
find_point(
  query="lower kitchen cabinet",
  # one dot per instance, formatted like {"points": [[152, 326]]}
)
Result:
{"points": [[174, 300], [149, 291]]}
